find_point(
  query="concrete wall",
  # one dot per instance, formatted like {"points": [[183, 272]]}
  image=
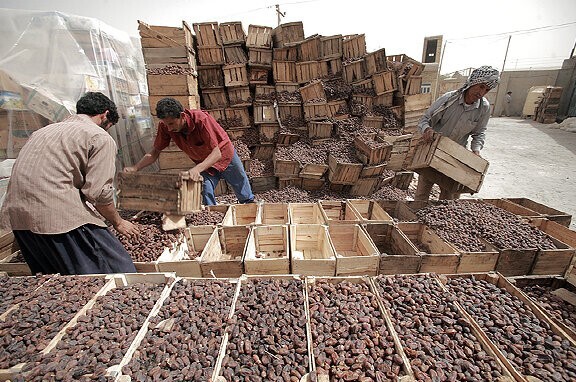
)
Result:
{"points": [[519, 83], [567, 79]]}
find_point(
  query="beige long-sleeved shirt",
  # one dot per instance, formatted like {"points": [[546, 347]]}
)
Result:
{"points": [[62, 166]]}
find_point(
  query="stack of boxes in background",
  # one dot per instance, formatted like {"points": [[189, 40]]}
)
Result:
{"points": [[274, 89], [547, 108]]}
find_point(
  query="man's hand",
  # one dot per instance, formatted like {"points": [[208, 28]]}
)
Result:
{"points": [[130, 169], [194, 174], [127, 229], [428, 134]]}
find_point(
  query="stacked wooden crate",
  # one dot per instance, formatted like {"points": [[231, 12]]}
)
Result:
{"points": [[170, 63], [547, 108]]}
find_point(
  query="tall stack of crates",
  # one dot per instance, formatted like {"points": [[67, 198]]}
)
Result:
{"points": [[170, 64], [547, 108]]}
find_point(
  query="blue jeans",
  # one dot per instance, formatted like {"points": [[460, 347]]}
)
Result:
{"points": [[235, 176]]}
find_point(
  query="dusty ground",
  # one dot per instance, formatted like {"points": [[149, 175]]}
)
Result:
{"points": [[531, 160]]}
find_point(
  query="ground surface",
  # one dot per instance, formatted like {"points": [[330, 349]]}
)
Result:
{"points": [[530, 160]]}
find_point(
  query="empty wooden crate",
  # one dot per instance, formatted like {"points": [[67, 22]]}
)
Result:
{"points": [[267, 251], [356, 254], [305, 213], [159, 192], [338, 212], [311, 251], [370, 211], [224, 252], [242, 214], [448, 164], [397, 253]]}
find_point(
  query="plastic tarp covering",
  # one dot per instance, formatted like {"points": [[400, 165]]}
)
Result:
{"points": [[49, 59]]}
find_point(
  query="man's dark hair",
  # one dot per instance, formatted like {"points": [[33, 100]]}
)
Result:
{"points": [[94, 103], [168, 107]]}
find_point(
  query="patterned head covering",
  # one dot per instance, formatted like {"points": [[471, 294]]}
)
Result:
{"points": [[483, 75]]}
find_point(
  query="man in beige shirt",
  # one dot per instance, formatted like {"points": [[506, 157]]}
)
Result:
{"points": [[63, 167]]}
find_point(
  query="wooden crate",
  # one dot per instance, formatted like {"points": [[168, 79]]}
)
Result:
{"points": [[268, 132], [414, 107], [268, 251], [400, 149], [259, 36], [385, 99], [437, 255], [284, 71], [362, 99], [313, 171], [356, 254], [214, 98], [152, 36], [289, 182], [353, 46], [305, 213], [413, 85], [159, 192], [265, 114], [274, 213], [180, 56], [314, 91], [373, 171], [398, 210], [232, 33], [264, 93], [402, 179], [384, 82], [354, 71], [449, 164], [310, 49], [218, 114], [235, 75], [173, 158], [313, 184], [397, 253], [365, 186], [235, 54], [513, 208], [264, 151], [207, 34], [287, 87], [408, 66], [373, 121], [334, 66], [555, 230], [223, 254], [310, 70], [288, 53], [320, 129], [188, 102], [331, 46], [376, 62], [372, 152], [338, 212], [242, 215], [369, 211], [337, 109], [210, 77], [260, 57], [12, 266], [263, 183], [240, 115], [484, 261], [239, 96], [544, 211], [290, 110], [211, 55], [342, 173], [159, 84], [258, 75], [553, 261], [314, 111], [515, 262], [286, 168], [288, 33], [311, 251]]}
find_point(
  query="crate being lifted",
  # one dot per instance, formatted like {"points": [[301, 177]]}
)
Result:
{"points": [[449, 164], [159, 192]]}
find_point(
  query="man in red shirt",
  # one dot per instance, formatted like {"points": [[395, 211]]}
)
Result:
{"points": [[198, 134]]}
